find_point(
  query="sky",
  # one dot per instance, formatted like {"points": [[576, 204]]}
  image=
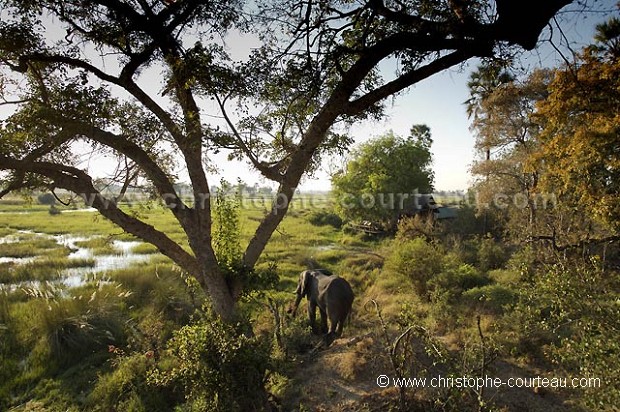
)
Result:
{"points": [[436, 102]]}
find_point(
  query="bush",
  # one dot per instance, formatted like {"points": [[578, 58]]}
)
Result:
{"points": [[217, 367], [295, 335], [577, 307], [506, 277], [454, 279], [416, 260], [491, 255], [491, 297], [524, 261], [127, 389], [418, 226], [53, 210], [325, 218], [46, 199]]}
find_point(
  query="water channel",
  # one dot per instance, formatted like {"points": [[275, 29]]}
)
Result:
{"points": [[72, 277]]}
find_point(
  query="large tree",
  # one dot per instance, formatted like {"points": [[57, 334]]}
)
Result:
{"points": [[78, 71], [506, 139], [581, 130], [549, 148], [384, 176]]}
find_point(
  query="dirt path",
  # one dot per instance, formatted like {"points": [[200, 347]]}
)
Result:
{"points": [[343, 377]]}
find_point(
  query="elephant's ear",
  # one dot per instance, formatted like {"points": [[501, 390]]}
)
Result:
{"points": [[304, 281]]}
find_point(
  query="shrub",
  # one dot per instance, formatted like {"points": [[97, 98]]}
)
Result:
{"points": [[418, 226], [46, 199], [524, 261], [53, 210], [577, 307], [491, 297], [416, 260], [466, 250], [295, 335], [217, 367], [506, 277], [325, 218], [454, 279], [126, 388], [491, 255]]}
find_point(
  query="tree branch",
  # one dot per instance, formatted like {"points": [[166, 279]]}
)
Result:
{"points": [[404, 18], [133, 151], [581, 244], [125, 81], [335, 106], [270, 172], [361, 104]]}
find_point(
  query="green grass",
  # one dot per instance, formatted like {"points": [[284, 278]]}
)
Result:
{"points": [[295, 241], [5, 231], [144, 249], [41, 269], [98, 245], [30, 246], [73, 223], [137, 308]]}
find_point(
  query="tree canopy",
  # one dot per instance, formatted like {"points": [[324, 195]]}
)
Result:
{"points": [[506, 140], [79, 71], [551, 140], [581, 133], [384, 175]]}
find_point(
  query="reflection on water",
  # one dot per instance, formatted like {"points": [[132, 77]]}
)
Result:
{"points": [[103, 263], [18, 260], [72, 277], [14, 238]]}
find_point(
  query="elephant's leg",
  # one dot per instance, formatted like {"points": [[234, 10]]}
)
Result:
{"points": [[337, 316], [332, 334], [333, 321], [339, 327], [312, 316], [323, 321]]}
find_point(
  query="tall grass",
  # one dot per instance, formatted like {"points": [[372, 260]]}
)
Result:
{"points": [[162, 286], [62, 330], [61, 336], [5, 231], [98, 245]]}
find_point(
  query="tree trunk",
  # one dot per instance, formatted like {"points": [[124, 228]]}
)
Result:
{"points": [[210, 276], [217, 289]]}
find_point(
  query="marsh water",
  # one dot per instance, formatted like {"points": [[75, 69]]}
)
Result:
{"points": [[122, 257]]}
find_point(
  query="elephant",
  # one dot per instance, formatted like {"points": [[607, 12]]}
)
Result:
{"points": [[333, 296]]}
